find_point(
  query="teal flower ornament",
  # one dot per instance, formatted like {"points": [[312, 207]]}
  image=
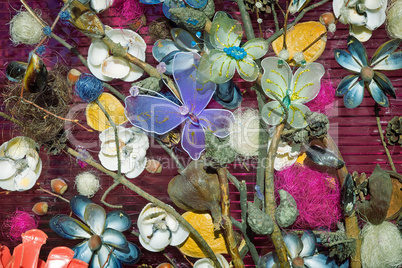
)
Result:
{"points": [[220, 63], [293, 90], [377, 84], [104, 245]]}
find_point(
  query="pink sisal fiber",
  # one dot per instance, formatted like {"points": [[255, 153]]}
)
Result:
{"points": [[18, 223], [324, 102], [317, 198], [124, 12]]}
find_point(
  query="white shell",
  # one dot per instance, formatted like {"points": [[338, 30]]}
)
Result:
{"points": [[115, 67], [32, 158], [355, 18], [360, 32], [108, 134], [147, 246], [375, 18], [374, 4], [3, 148], [25, 180], [7, 168], [97, 52], [283, 162], [100, 5], [160, 240], [16, 148], [150, 214], [109, 148], [138, 169], [8, 184], [207, 263], [179, 236], [172, 223], [111, 163]]}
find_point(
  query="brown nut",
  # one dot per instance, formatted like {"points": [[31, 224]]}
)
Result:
{"points": [[73, 76], [327, 18], [59, 186], [40, 208]]}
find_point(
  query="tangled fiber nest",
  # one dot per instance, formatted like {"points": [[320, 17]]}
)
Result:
{"points": [[42, 127]]}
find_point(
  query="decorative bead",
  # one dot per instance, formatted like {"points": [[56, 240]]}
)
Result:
{"points": [[134, 91], [184, 110], [161, 67], [193, 43], [198, 34], [47, 30]]}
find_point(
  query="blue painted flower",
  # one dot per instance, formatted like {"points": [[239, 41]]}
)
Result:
{"points": [[104, 241], [302, 253], [376, 83], [168, 4]]}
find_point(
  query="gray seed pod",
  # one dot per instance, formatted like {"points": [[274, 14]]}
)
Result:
{"points": [[286, 213], [259, 222], [151, 83], [209, 9], [192, 19]]}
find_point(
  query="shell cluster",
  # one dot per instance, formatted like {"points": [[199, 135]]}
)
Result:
{"points": [[20, 164], [158, 229]]}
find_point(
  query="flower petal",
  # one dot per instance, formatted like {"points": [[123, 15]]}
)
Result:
{"points": [[297, 115], [83, 252], [276, 78], [256, 48], [306, 83], [319, 261], [118, 220], [130, 257], [216, 67], [247, 68], [193, 140], [293, 244], [225, 32], [217, 120], [354, 96], [104, 258], [384, 50], [377, 94], [309, 241], [268, 260], [346, 61], [346, 83], [162, 48], [78, 204], [272, 113], [115, 239], [360, 32], [392, 62], [384, 83], [185, 40], [375, 17], [69, 228], [95, 217], [357, 50]]}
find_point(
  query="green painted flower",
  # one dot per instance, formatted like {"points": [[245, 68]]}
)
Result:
{"points": [[220, 63]]}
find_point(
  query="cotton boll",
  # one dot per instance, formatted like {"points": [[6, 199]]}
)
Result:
{"points": [[298, 56], [87, 184], [381, 246], [25, 29], [284, 54], [394, 19], [245, 132]]}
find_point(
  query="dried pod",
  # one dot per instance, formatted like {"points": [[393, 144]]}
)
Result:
{"points": [[324, 157], [286, 213], [348, 196], [73, 76], [153, 166], [196, 190], [327, 18], [192, 19], [85, 20], [40, 208], [380, 189], [59, 186], [259, 222]]}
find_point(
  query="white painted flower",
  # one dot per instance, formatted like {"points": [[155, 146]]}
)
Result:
{"points": [[107, 67], [158, 229], [133, 145], [20, 164], [363, 16]]}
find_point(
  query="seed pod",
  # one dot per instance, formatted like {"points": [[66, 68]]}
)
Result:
{"points": [[59, 186], [40, 208], [153, 166]]}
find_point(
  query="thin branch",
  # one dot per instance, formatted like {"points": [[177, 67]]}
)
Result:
{"points": [[10, 118], [275, 16], [172, 154], [197, 237], [245, 17], [53, 194], [380, 131], [107, 192]]}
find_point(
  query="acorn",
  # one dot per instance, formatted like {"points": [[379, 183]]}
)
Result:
{"points": [[40, 208], [327, 18], [153, 166], [73, 76], [59, 186]]}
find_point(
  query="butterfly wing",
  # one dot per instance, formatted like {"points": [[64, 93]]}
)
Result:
{"points": [[193, 140], [153, 114], [195, 95], [216, 120], [276, 78]]}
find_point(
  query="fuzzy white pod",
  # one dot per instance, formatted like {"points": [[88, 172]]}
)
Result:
{"points": [[87, 184], [394, 19], [25, 29]]}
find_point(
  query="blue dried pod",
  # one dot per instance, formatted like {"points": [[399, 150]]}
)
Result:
{"points": [[324, 157], [162, 48]]}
